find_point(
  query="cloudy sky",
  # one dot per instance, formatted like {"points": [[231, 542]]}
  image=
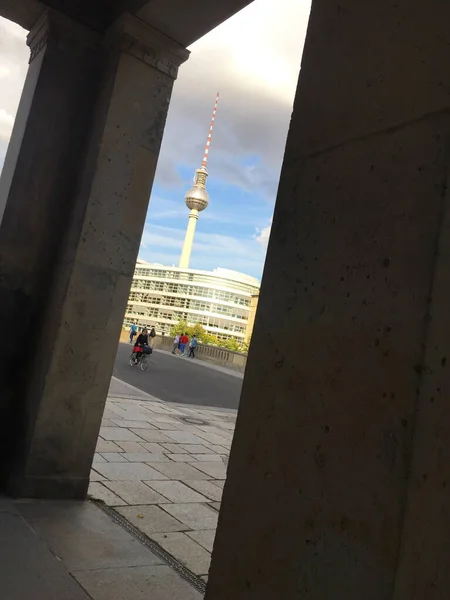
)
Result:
{"points": [[253, 61]]}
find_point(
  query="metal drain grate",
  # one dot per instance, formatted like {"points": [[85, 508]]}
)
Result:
{"points": [[193, 421], [182, 571]]}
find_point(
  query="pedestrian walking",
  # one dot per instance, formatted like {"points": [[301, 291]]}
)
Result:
{"points": [[133, 332], [152, 336], [184, 340], [192, 346], [176, 343]]}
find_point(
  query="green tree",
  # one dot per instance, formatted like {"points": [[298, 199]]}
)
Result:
{"points": [[198, 330], [180, 328], [207, 338], [244, 347], [202, 335], [231, 344]]}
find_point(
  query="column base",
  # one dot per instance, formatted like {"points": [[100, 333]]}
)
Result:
{"points": [[61, 488]]}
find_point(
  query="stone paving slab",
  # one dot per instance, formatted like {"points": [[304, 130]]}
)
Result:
{"points": [[105, 494], [83, 537], [216, 470], [210, 489], [195, 516], [134, 492], [208, 457], [121, 471], [152, 436], [178, 470], [132, 447], [176, 491], [112, 457], [205, 538], [183, 458], [74, 551], [186, 550], [28, 569], [166, 473], [118, 434], [151, 519], [94, 476], [193, 448], [137, 583], [145, 457], [156, 458], [132, 424], [105, 446]]}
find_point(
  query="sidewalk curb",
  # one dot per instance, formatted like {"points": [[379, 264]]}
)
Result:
{"points": [[138, 394]]}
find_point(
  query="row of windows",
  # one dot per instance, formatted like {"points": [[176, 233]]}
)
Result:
{"points": [[189, 290], [189, 303], [155, 311], [202, 278]]}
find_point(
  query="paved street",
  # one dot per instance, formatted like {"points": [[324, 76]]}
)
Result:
{"points": [[181, 380]]}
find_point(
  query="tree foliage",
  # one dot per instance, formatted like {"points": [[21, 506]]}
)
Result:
{"points": [[231, 344], [190, 330], [207, 338]]}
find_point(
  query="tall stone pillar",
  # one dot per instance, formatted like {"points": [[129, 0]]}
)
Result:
{"points": [[75, 191], [338, 482]]}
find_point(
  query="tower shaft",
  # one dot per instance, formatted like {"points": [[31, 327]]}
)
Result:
{"points": [[188, 240]]}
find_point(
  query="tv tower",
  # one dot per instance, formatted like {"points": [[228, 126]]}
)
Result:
{"points": [[197, 198]]}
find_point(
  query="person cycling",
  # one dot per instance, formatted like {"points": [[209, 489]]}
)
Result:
{"points": [[140, 345], [142, 339], [140, 351]]}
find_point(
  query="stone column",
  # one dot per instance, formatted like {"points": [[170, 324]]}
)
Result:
{"points": [[338, 483], [75, 191]]}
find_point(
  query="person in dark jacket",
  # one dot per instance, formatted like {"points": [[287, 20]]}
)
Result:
{"points": [[152, 337], [192, 346], [142, 339]]}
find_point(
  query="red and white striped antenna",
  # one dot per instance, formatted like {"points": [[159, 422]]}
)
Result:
{"points": [[208, 141]]}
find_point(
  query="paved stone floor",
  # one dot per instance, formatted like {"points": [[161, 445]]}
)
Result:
{"points": [[162, 467], [66, 550]]}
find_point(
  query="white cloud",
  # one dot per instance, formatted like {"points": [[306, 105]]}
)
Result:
{"points": [[211, 250], [262, 235], [163, 208], [253, 60]]}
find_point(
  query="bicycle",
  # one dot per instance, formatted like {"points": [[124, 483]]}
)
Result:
{"points": [[139, 358]]}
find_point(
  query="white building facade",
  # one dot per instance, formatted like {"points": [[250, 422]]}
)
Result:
{"points": [[220, 300]]}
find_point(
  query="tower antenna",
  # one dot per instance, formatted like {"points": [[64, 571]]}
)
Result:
{"points": [[197, 198], [208, 140]]}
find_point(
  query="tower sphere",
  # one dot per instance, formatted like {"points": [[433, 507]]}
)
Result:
{"points": [[197, 198]]}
